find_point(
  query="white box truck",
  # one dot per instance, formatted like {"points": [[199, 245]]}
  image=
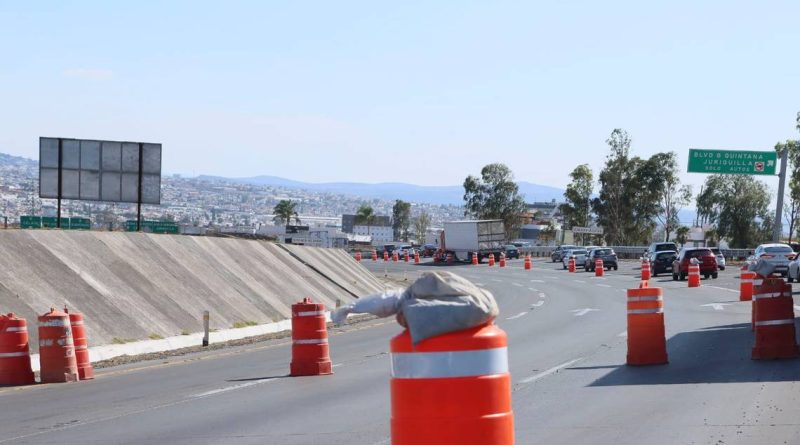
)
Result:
{"points": [[463, 239]]}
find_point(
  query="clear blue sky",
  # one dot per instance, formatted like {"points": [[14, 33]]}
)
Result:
{"points": [[420, 92]]}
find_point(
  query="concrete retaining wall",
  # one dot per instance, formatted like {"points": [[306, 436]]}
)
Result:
{"points": [[131, 286]]}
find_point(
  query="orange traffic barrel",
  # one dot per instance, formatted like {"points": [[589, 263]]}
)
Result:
{"points": [[491, 259], [502, 260], [598, 267], [571, 264], [475, 259], [385, 256], [395, 257], [645, 270], [449, 258], [773, 311], [15, 358], [746, 285], [358, 256], [647, 342], [310, 351], [694, 275], [452, 389], [528, 263], [416, 257], [374, 255], [406, 257], [56, 349], [85, 370]]}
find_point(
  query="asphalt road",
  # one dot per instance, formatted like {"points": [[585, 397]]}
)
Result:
{"points": [[567, 348]]}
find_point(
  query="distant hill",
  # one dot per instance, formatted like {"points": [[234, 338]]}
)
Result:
{"points": [[17, 161], [394, 190]]}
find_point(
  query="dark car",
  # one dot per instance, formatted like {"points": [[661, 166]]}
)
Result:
{"points": [[662, 261], [659, 247], [558, 254], [704, 255], [606, 254], [427, 250], [512, 251]]}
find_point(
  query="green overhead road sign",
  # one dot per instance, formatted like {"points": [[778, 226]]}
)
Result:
{"points": [[737, 162]]}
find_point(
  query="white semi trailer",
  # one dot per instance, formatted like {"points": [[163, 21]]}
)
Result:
{"points": [[463, 239]]}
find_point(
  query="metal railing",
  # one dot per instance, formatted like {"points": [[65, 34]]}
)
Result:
{"points": [[634, 252]]}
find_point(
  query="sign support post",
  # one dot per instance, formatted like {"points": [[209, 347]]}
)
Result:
{"points": [[60, 180], [778, 229], [139, 199]]}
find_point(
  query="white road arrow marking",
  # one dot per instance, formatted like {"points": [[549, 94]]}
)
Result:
{"points": [[582, 312], [542, 295], [517, 284], [537, 281], [716, 306], [521, 314], [537, 304], [532, 289], [603, 285]]}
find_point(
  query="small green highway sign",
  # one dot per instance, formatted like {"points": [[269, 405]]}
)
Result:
{"points": [[736, 162]]}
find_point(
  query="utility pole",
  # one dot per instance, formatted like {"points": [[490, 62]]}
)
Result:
{"points": [[777, 231]]}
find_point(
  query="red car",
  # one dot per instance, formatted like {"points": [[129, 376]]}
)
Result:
{"points": [[706, 258]]}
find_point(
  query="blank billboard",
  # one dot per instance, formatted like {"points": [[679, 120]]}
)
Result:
{"points": [[100, 170]]}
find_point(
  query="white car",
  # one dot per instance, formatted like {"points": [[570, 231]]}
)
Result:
{"points": [[720, 258], [779, 255], [578, 254]]}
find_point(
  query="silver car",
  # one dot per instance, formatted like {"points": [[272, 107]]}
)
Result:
{"points": [[720, 258], [578, 254], [778, 255]]}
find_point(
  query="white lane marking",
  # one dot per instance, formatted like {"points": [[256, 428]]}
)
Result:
{"points": [[579, 281], [496, 280], [537, 304], [603, 285], [537, 281], [623, 334], [716, 306], [722, 288], [514, 317], [552, 370], [533, 289], [233, 388], [517, 284], [542, 295], [582, 312]]}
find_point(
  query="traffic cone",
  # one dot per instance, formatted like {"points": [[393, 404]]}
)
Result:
{"points": [[310, 351], [647, 342], [645, 269], [452, 389], [694, 275], [15, 359], [746, 285], [773, 319]]}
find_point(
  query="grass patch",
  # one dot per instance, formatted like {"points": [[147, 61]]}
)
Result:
{"points": [[244, 324], [155, 336], [185, 332], [122, 341]]}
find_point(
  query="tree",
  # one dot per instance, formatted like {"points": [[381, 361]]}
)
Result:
{"points": [[495, 195], [366, 216], [421, 225], [672, 195], [284, 211], [712, 237], [576, 210], [735, 204], [548, 233], [681, 235], [401, 219], [630, 191]]}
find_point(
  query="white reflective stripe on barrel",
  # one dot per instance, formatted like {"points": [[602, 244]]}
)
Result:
{"points": [[13, 354], [746, 280], [77, 323], [16, 329], [80, 348], [767, 295], [311, 341], [774, 322], [54, 323], [436, 365], [653, 298], [310, 313], [645, 311]]}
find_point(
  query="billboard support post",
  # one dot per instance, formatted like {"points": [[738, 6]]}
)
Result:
{"points": [[776, 232], [60, 179], [139, 200]]}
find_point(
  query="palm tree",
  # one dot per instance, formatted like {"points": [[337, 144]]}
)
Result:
{"points": [[365, 215], [284, 212], [682, 235]]}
